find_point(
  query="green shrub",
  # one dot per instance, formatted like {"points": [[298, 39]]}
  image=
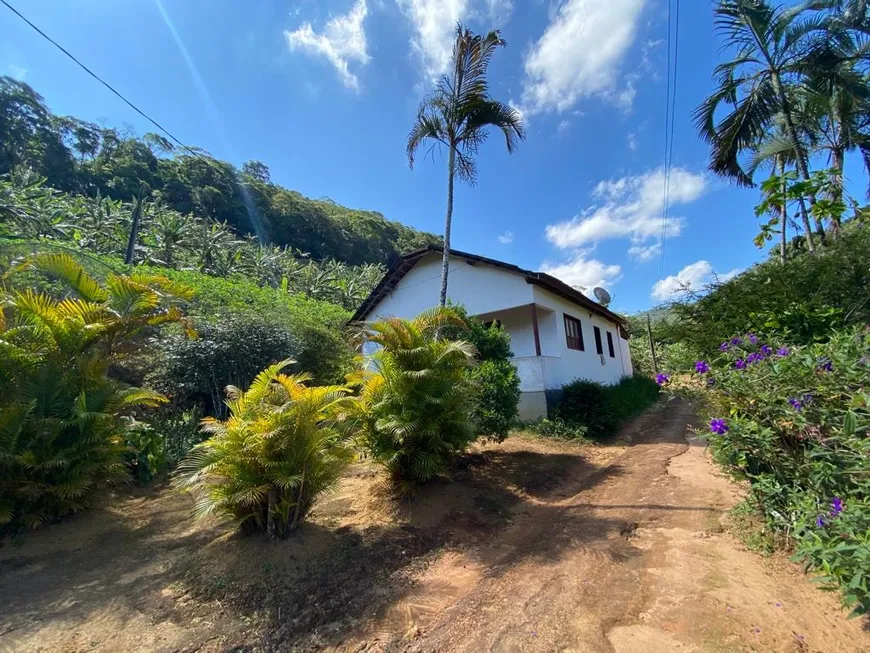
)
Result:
{"points": [[631, 396], [61, 428], [155, 447], [602, 409], [415, 401], [803, 301], [497, 398], [495, 377], [585, 403], [557, 428], [279, 451], [794, 422], [229, 351]]}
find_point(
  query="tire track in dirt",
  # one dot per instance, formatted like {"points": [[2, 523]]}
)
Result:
{"points": [[633, 561]]}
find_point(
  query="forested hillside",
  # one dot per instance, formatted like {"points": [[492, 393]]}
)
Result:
{"points": [[84, 158]]}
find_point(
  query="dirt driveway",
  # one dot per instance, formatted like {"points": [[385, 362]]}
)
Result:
{"points": [[534, 546]]}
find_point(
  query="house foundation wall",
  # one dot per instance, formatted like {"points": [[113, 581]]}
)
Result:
{"points": [[532, 406]]}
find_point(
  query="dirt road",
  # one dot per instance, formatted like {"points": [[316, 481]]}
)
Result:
{"points": [[534, 546], [636, 562]]}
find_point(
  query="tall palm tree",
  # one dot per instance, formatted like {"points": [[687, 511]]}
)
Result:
{"points": [[838, 101], [760, 83], [457, 113]]}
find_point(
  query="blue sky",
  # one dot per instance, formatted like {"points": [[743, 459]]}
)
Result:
{"points": [[324, 93]]}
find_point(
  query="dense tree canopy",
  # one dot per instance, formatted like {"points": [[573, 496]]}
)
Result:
{"points": [[81, 157]]}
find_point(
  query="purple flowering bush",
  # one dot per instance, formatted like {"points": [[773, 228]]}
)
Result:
{"points": [[795, 422]]}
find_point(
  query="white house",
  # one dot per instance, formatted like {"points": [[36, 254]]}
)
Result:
{"points": [[557, 333]]}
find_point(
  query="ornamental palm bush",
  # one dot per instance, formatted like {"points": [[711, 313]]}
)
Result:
{"points": [[793, 420], [61, 415], [415, 400], [279, 450]]}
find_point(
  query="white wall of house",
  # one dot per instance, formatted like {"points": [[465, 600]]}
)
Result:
{"points": [[493, 293], [480, 288], [587, 364]]}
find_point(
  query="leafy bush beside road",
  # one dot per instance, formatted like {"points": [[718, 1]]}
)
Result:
{"points": [[793, 421], [602, 409]]}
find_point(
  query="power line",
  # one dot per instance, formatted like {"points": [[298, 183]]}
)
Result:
{"points": [[665, 160], [102, 81], [669, 146]]}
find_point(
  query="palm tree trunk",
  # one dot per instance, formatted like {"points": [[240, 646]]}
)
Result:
{"points": [[838, 155], [800, 155], [811, 245], [445, 259], [271, 525], [783, 213], [134, 230]]}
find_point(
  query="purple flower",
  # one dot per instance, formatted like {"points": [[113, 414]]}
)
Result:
{"points": [[710, 381], [701, 367], [725, 346], [740, 364], [754, 357], [718, 426], [736, 341], [836, 506], [820, 522], [752, 338], [808, 398], [663, 379], [782, 351], [766, 350], [825, 365], [796, 404]]}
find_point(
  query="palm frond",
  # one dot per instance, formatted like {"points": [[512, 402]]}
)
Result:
{"points": [[64, 267]]}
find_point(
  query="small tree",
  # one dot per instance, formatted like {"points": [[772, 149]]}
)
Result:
{"points": [[414, 407], [267, 464]]}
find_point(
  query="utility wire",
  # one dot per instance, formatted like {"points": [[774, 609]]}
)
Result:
{"points": [[103, 82], [669, 146], [665, 160]]}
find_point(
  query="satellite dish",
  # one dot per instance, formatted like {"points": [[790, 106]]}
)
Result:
{"points": [[602, 296]]}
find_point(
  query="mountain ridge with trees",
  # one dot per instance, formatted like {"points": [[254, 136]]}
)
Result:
{"points": [[83, 158]]}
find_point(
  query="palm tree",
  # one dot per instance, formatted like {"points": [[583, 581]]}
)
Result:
{"points": [[838, 102], [279, 451], [167, 232], [456, 115], [760, 83], [61, 426], [414, 398]]}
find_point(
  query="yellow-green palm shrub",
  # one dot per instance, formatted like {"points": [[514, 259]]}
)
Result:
{"points": [[61, 415], [415, 398], [280, 449]]}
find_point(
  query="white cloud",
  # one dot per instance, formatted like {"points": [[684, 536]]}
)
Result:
{"points": [[434, 23], [644, 253], [506, 238], [16, 72], [499, 11], [631, 137], [580, 55], [583, 272], [630, 207], [692, 278], [342, 42], [562, 127]]}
